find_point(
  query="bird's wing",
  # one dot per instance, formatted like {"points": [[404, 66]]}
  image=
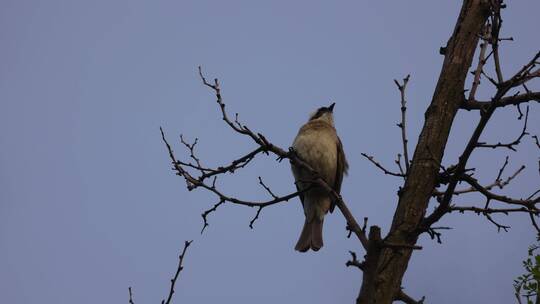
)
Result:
{"points": [[341, 168], [301, 195], [296, 177]]}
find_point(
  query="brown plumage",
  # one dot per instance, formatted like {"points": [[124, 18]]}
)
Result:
{"points": [[318, 144]]}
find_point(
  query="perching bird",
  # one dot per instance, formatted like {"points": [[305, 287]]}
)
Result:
{"points": [[318, 144]]}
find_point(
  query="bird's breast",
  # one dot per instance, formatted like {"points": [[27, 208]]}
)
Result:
{"points": [[319, 149]]}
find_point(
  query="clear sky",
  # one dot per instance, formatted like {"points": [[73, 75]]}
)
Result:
{"points": [[89, 205]]}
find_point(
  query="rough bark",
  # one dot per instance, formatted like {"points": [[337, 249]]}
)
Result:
{"points": [[387, 265]]}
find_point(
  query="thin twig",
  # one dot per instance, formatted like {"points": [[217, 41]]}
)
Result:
{"points": [[510, 145], [178, 270], [266, 188], [354, 262], [403, 297], [481, 61], [402, 125], [378, 165], [130, 296]]}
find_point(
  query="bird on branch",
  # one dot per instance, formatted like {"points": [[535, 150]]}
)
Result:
{"points": [[318, 144]]}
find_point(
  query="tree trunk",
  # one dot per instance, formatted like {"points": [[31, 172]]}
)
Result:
{"points": [[385, 267]]}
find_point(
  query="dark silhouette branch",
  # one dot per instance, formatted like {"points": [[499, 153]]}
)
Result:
{"points": [[130, 296], [512, 145], [487, 113], [478, 210], [354, 262], [501, 198], [486, 36], [387, 258], [178, 270], [403, 297], [498, 182], [378, 165], [264, 146], [402, 125], [503, 102]]}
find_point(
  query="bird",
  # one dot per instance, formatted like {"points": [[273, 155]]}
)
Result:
{"points": [[318, 144]]}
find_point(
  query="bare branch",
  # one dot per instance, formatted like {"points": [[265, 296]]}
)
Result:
{"points": [[400, 246], [178, 270], [402, 125], [502, 90], [524, 74], [478, 210], [191, 148], [433, 232], [398, 163], [512, 144], [503, 102], [496, 23], [207, 212], [536, 141], [193, 183], [403, 297], [234, 165], [499, 226], [501, 198], [267, 188], [130, 296], [266, 146], [373, 161], [354, 262], [255, 217], [535, 225], [236, 126], [498, 182], [486, 36]]}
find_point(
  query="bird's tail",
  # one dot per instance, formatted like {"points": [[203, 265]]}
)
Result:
{"points": [[311, 236]]}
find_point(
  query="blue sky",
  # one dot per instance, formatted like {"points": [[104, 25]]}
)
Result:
{"points": [[89, 205]]}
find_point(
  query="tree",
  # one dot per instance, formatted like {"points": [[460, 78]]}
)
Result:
{"points": [[527, 285], [425, 177]]}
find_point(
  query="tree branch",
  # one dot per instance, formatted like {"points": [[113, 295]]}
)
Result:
{"points": [[130, 296], [403, 297], [510, 145], [378, 165], [178, 270], [503, 102], [402, 125], [486, 36], [267, 147]]}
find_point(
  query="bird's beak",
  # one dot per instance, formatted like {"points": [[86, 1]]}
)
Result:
{"points": [[331, 107]]}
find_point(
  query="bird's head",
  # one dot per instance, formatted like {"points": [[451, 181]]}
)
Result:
{"points": [[325, 114]]}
